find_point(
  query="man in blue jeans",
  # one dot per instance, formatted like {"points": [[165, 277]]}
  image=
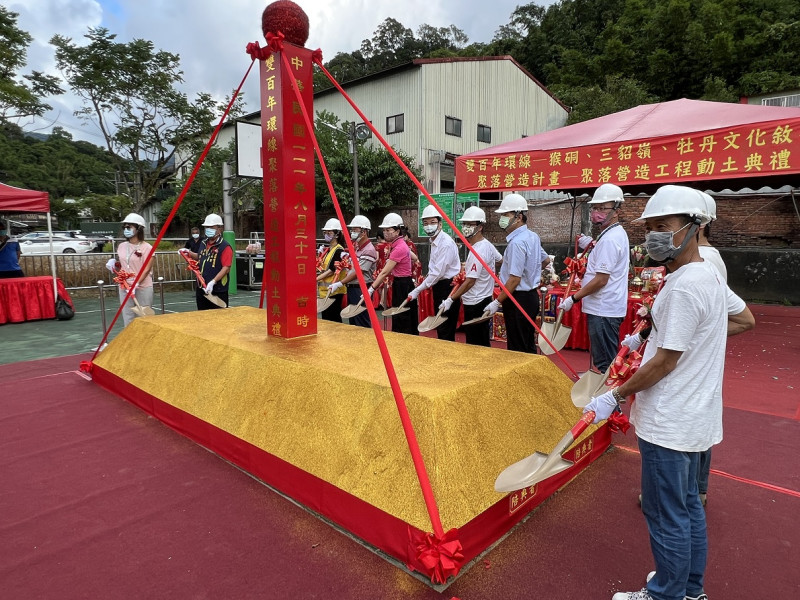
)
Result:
{"points": [[604, 289], [678, 408]]}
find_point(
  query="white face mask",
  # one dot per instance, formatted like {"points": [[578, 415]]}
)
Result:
{"points": [[128, 232], [354, 235], [195, 235], [660, 246], [469, 230], [504, 221], [431, 229]]}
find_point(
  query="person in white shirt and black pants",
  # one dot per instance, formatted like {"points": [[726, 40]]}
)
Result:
{"points": [[443, 266], [478, 287]]}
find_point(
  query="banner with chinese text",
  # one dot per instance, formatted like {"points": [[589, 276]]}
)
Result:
{"points": [[753, 150], [289, 208]]}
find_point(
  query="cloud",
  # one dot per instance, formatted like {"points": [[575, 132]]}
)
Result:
{"points": [[210, 35]]}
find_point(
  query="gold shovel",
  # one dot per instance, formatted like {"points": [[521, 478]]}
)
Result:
{"points": [[538, 466], [351, 310], [482, 319], [323, 303], [396, 310], [432, 322], [588, 386], [141, 311]]}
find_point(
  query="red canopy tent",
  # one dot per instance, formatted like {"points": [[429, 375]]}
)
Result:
{"points": [[681, 141], [18, 200]]}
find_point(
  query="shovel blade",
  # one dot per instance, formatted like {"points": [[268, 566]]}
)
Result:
{"points": [[431, 323], [482, 319], [396, 310], [351, 310], [558, 337], [529, 471], [148, 311], [323, 303], [137, 310], [587, 387], [216, 300]]}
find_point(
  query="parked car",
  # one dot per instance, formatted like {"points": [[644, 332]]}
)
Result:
{"points": [[61, 245], [98, 241]]}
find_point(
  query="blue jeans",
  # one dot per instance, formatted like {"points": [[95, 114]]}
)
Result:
{"points": [[676, 521], [603, 339], [703, 471]]}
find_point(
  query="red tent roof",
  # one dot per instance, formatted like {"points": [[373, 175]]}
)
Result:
{"points": [[17, 200], [671, 142]]}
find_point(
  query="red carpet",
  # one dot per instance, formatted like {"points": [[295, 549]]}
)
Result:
{"points": [[100, 501]]}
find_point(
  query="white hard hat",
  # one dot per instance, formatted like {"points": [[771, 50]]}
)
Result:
{"points": [[711, 206], [676, 200], [608, 192], [212, 220], [513, 203], [332, 225], [135, 219], [391, 220], [360, 221], [430, 211], [473, 213]]}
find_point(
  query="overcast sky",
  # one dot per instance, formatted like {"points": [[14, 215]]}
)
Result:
{"points": [[210, 35]]}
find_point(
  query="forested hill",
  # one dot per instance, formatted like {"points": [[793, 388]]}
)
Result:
{"points": [[601, 56]]}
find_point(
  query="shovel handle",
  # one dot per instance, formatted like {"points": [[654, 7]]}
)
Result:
{"points": [[582, 424]]}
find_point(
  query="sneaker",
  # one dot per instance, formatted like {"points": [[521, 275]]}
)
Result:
{"points": [[700, 597], [650, 575], [640, 595]]}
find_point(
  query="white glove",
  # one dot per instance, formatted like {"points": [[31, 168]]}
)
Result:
{"points": [[209, 287], [183, 251], [584, 241], [446, 304], [492, 307], [602, 405], [334, 286], [632, 341], [414, 293], [566, 304], [111, 264]]}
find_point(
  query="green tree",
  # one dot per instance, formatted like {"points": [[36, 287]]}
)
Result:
{"points": [[129, 92], [20, 96]]}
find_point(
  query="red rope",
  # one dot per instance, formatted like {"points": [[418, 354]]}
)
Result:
{"points": [[318, 60], [87, 365], [405, 419]]}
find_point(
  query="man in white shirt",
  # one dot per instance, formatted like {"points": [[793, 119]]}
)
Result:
{"points": [[604, 290], [520, 273], [478, 287], [443, 266], [678, 408]]}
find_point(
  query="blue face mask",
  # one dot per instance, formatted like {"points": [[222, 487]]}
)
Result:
{"points": [[210, 233], [2, 232], [128, 232], [195, 235]]}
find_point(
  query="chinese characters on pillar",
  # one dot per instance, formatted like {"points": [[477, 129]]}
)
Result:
{"points": [[288, 163], [742, 151]]}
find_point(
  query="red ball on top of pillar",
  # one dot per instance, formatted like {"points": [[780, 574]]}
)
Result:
{"points": [[288, 18]]}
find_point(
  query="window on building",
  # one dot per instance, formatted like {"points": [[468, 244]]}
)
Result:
{"points": [[485, 134], [452, 126], [395, 124]]}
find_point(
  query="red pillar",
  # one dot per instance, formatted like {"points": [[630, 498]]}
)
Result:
{"points": [[289, 207]]}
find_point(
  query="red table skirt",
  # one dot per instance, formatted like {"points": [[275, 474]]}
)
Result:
{"points": [[29, 299]]}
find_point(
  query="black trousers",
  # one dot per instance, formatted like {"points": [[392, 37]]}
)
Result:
{"points": [[334, 311], [520, 334], [441, 290], [480, 333], [405, 322]]}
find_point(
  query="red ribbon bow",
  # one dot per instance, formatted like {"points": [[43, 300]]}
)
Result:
{"points": [[618, 421], [575, 265], [256, 52], [440, 557], [86, 366], [275, 41], [316, 56]]}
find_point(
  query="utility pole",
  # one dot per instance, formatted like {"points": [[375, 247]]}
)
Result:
{"points": [[356, 207]]}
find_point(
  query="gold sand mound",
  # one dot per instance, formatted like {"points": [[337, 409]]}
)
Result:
{"points": [[324, 404]]}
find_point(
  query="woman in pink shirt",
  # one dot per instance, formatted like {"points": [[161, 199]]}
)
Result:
{"points": [[131, 256], [399, 266]]}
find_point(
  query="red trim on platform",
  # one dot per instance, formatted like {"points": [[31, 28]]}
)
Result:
{"points": [[376, 527]]}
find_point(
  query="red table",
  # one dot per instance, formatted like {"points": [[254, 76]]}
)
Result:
{"points": [[29, 299]]}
